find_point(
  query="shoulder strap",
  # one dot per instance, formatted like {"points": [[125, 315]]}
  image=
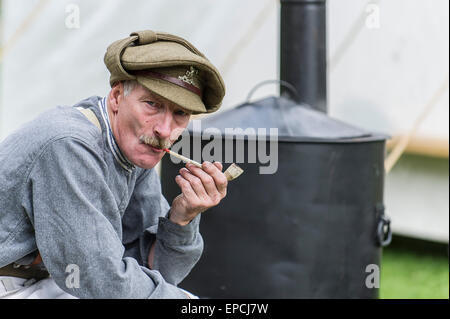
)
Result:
{"points": [[90, 116]]}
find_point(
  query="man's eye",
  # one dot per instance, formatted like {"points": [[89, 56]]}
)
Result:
{"points": [[181, 113], [151, 103]]}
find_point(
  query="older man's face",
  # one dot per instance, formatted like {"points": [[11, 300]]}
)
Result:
{"points": [[143, 123]]}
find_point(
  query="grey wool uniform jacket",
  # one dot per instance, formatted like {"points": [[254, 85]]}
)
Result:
{"points": [[62, 192]]}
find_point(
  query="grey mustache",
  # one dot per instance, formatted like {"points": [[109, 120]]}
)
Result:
{"points": [[155, 142]]}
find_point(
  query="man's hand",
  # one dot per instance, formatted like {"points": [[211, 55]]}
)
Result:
{"points": [[202, 188]]}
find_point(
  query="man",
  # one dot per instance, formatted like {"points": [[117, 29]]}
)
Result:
{"points": [[81, 209]]}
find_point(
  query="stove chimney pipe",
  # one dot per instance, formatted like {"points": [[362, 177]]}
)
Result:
{"points": [[303, 53]]}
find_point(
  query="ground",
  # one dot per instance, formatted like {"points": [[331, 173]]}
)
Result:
{"points": [[414, 269]]}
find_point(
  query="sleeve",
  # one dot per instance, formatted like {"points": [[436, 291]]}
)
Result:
{"points": [[178, 248], [77, 224]]}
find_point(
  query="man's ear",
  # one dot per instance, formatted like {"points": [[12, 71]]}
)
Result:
{"points": [[115, 96]]}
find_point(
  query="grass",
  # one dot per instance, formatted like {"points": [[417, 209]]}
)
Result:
{"points": [[413, 269]]}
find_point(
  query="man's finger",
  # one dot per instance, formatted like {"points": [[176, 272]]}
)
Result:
{"points": [[216, 173], [185, 186], [218, 165], [196, 183], [207, 180]]}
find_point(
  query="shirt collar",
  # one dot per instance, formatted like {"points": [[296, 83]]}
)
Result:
{"points": [[118, 155]]}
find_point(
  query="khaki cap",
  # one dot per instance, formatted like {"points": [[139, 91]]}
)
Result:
{"points": [[168, 66]]}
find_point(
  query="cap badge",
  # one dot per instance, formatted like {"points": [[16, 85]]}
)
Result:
{"points": [[189, 76]]}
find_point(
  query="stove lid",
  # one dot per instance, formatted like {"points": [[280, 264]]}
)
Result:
{"points": [[295, 122]]}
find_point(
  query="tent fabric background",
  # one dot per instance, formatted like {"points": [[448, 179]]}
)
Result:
{"points": [[53, 65]]}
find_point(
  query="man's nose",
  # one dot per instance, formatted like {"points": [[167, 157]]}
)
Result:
{"points": [[163, 127]]}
